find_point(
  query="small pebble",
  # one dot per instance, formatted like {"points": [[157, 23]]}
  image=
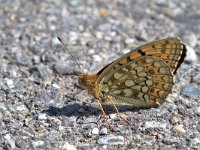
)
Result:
{"points": [[103, 131], [197, 111], [21, 144], [191, 91], [42, 116], [95, 131], [179, 129], [37, 143], [11, 143], [97, 58], [113, 116], [129, 42], [195, 141], [112, 140], [174, 119], [191, 55], [9, 83], [170, 140], [55, 41], [68, 146], [154, 124]]}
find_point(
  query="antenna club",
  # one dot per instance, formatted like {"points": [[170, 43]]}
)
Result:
{"points": [[59, 39]]}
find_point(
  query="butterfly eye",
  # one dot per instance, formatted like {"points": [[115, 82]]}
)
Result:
{"points": [[87, 82]]}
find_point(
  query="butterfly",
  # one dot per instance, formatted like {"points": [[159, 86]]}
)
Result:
{"points": [[143, 77]]}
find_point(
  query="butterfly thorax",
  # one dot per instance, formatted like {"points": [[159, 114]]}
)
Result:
{"points": [[89, 82]]}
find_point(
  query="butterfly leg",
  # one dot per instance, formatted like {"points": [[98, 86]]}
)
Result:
{"points": [[104, 115], [73, 94], [122, 117]]}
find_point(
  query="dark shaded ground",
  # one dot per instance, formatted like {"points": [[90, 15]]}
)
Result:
{"points": [[37, 107]]}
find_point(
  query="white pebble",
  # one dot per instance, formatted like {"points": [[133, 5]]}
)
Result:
{"points": [[97, 58], [37, 143], [68, 146], [95, 131], [9, 82], [42, 116]]}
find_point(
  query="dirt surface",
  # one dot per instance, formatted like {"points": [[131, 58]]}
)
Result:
{"points": [[38, 79]]}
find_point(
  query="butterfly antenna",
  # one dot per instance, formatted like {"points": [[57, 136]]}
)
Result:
{"points": [[70, 53]]}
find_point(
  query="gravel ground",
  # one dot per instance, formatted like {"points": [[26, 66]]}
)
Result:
{"points": [[38, 109]]}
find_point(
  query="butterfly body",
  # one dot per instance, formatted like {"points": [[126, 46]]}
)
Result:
{"points": [[98, 90], [143, 77]]}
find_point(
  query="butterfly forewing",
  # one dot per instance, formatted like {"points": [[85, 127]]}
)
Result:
{"points": [[171, 50]]}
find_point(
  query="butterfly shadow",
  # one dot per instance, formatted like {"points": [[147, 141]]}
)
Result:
{"points": [[77, 109]]}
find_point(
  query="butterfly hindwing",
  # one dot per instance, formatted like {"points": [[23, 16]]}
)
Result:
{"points": [[144, 82]]}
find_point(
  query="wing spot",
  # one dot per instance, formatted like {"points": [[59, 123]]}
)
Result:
{"points": [[117, 75], [133, 72], [123, 61], [149, 82], [129, 59], [137, 87], [141, 52], [148, 60], [121, 84], [151, 71], [163, 70], [140, 95], [152, 90], [129, 83], [157, 64], [133, 65], [125, 69], [116, 91], [142, 74], [139, 69], [161, 93], [128, 92], [124, 77], [145, 89], [114, 86], [146, 97]]}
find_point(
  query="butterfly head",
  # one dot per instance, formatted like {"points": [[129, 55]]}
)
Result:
{"points": [[89, 82], [83, 81]]}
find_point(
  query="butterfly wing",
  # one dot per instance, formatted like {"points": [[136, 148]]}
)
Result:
{"points": [[144, 76], [171, 50]]}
